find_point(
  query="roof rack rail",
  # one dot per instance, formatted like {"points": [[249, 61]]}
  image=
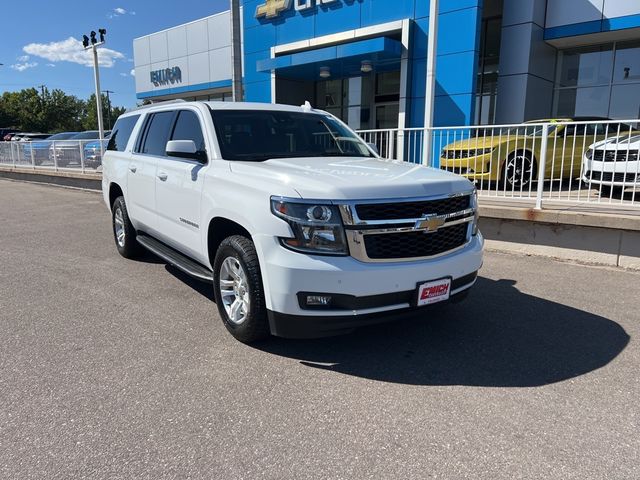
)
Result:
{"points": [[161, 102]]}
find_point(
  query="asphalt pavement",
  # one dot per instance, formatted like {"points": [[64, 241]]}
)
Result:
{"points": [[120, 369]]}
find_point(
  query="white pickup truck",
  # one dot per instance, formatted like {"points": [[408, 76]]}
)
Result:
{"points": [[302, 228]]}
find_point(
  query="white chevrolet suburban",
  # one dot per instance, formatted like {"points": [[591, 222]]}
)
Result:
{"points": [[302, 228]]}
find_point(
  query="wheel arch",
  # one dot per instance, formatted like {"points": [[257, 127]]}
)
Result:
{"points": [[220, 228], [115, 191]]}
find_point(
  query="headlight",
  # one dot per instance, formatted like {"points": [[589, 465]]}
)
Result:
{"points": [[476, 212], [317, 228]]}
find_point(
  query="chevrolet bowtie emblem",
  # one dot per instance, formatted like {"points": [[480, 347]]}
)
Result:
{"points": [[272, 8], [429, 223]]}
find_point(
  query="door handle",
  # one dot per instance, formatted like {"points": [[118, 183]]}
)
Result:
{"points": [[163, 176], [133, 168]]}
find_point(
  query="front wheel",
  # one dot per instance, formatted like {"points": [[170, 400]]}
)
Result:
{"points": [[237, 284], [519, 170]]}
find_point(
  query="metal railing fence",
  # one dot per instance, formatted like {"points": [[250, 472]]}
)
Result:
{"points": [[57, 155], [585, 161]]}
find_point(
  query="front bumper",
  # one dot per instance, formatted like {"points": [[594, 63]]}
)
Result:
{"points": [[613, 174], [286, 273], [472, 168]]}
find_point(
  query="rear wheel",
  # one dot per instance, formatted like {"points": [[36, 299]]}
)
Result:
{"points": [[237, 284], [519, 170], [124, 233]]}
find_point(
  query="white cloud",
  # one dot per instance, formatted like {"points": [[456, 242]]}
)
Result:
{"points": [[118, 12], [132, 72], [51, 64], [71, 50], [23, 58], [123, 74], [21, 67]]}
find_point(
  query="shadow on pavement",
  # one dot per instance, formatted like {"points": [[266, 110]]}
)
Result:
{"points": [[497, 337]]}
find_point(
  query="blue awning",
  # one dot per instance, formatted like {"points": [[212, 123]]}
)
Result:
{"points": [[343, 60]]}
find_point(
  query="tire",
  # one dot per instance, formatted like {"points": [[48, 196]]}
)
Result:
{"points": [[123, 232], [519, 170], [240, 300]]}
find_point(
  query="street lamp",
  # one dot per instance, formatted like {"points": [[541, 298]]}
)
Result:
{"points": [[91, 42]]}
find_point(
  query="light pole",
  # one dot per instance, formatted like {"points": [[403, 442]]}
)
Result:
{"points": [[93, 44], [108, 108], [430, 91], [236, 52]]}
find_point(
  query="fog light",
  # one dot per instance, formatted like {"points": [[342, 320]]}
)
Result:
{"points": [[318, 300]]}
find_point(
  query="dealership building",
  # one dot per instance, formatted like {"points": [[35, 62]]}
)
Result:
{"points": [[497, 61]]}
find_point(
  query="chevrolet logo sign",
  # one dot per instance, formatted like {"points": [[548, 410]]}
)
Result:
{"points": [[272, 8], [429, 223]]}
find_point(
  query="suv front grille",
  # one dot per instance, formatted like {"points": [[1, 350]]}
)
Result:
{"points": [[409, 210], [415, 244]]}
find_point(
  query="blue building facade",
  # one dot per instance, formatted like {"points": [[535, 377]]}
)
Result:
{"points": [[497, 61]]}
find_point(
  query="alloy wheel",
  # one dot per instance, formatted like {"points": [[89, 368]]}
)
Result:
{"points": [[234, 290]]}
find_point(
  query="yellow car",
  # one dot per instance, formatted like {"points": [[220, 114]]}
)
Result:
{"points": [[510, 156]]}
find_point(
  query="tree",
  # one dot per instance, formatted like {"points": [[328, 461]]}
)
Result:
{"points": [[51, 111], [91, 119]]}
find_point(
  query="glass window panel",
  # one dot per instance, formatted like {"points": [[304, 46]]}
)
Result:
{"points": [[625, 102], [627, 65], [583, 102], [158, 134], [387, 116], [188, 128], [586, 66], [388, 83]]}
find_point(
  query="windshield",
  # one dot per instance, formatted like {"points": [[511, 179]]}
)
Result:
{"points": [[257, 135], [89, 135]]}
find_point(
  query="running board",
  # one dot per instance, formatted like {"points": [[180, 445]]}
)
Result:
{"points": [[175, 258]]}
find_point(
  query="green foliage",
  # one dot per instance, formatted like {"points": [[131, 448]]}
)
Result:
{"points": [[46, 111]]}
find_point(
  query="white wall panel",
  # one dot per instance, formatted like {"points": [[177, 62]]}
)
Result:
{"points": [[566, 12], [219, 30], [621, 8], [141, 54], [197, 37], [158, 47], [143, 84], [220, 64], [198, 68], [177, 39]]}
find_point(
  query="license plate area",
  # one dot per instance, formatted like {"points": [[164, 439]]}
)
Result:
{"points": [[433, 291]]}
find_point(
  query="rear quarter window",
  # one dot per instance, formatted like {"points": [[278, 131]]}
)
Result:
{"points": [[122, 132]]}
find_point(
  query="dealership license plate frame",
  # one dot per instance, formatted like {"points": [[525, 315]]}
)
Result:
{"points": [[440, 298]]}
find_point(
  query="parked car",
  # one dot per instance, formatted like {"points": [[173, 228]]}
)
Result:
{"points": [[29, 137], [66, 152], [510, 156], [613, 164], [93, 152], [41, 149], [301, 227], [7, 133]]}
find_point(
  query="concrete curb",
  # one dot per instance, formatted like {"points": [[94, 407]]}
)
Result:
{"points": [[88, 181]]}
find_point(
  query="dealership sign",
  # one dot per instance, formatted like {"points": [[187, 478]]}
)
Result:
{"points": [[166, 76], [273, 8]]}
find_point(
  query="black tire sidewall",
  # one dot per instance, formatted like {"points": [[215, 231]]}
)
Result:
{"points": [[255, 326], [131, 248]]}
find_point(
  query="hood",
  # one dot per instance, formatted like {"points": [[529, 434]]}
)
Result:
{"points": [[475, 143], [350, 178], [624, 142]]}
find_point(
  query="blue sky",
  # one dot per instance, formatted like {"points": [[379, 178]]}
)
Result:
{"points": [[36, 49]]}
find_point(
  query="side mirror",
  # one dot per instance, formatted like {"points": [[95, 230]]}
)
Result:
{"points": [[373, 147], [184, 149]]}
